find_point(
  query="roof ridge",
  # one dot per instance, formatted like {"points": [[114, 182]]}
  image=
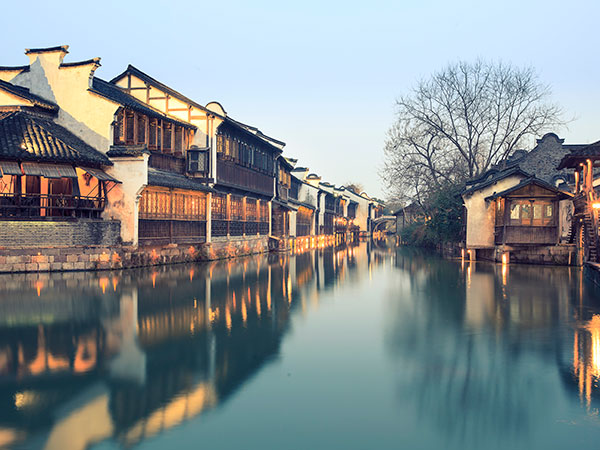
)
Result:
{"points": [[26, 93], [81, 63], [141, 74], [137, 101]]}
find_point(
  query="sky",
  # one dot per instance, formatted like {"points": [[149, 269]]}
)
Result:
{"points": [[321, 76]]}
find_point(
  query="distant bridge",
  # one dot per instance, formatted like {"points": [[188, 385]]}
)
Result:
{"points": [[376, 224]]}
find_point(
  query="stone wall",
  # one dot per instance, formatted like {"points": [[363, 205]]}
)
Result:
{"points": [[81, 232], [66, 258], [550, 254]]}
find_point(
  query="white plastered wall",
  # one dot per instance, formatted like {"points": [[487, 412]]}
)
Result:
{"points": [[481, 214], [89, 116]]}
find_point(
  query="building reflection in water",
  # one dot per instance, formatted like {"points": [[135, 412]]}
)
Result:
{"points": [[479, 345], [89, 357]]}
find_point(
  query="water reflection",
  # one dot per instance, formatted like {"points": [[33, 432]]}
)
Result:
{"points": [[479, 355], [129, 355], [483, 347]]}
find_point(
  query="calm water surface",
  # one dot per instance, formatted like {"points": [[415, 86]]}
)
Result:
{"points": [[358, 348]]}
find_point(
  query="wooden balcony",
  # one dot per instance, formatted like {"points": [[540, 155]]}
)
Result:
{"points": [[49, 207], [161, 232], [527, 235], [221, 228], [231, 174], [164, 161]]}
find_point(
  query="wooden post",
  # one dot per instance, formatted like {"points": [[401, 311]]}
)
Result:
{"points": [[209, 217], [228, 212]]}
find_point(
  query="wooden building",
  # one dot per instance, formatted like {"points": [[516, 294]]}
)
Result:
{"points": [[155, 171], [519, 210], [49, 178], [585, 220]]}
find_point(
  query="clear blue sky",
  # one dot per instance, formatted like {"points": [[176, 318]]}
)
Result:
{"points": [[321, 76]]}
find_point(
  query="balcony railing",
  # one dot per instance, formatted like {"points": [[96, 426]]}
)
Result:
{"points": [[163, 161], [49, 206], [232, 174], [222, 228], [160, 232]]}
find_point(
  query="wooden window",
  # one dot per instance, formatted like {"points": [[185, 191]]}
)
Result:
{"points": [[167, 136], [251, 210], [532, 213], [141, 129], [219, 206], [264, 211], [152, 132], [220, 148], [178, 139], [118, 129], [237, 212], [129, 127], [227, 146]]}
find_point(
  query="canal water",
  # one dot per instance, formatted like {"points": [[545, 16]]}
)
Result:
{"points": [[366, 347]]}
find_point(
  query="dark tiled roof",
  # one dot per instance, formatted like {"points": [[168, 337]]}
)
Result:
{"points": [[81, 63], [118, 95], [14, 68], [63, 48], [577, 154], [163, 87], [26, 95], [31, 137], [494, 178], [286, 163], [256, 132], [127, 150], [173, 180], [527, 182], [299, 203], [541, 163]]}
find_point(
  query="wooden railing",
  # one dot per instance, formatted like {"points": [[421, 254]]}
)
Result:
{"points": [[221, 228], [522, 235], [160, 232], [49, 206], [163, 161], [232, 174]]}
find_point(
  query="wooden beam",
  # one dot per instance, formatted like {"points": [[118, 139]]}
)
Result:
{"points": [[157, 98]]}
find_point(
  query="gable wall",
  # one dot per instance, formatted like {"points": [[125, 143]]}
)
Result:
{"points": [[481, 216]]}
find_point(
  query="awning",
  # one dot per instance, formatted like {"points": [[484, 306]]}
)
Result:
{"points": [[48, 170], [99, 174], [10, 168]]}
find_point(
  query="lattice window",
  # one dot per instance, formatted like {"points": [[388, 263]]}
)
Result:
{"points": [[129, 127], [119, 128], [251, 210], [152, 132], [178, 139], [219, 207], [237, 211], [167, 133], [141, 129], [264, 211]]}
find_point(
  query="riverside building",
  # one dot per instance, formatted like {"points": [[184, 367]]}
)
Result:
{"points": [[127, 172]]}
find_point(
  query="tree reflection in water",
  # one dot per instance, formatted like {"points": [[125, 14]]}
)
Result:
{"points": [[477, 344]]}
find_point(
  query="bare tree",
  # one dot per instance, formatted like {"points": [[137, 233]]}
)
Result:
{"points": [[465, 118], [353, 186]]}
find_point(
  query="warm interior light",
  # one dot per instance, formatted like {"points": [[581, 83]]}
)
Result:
{"points": [[596, 205]]}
